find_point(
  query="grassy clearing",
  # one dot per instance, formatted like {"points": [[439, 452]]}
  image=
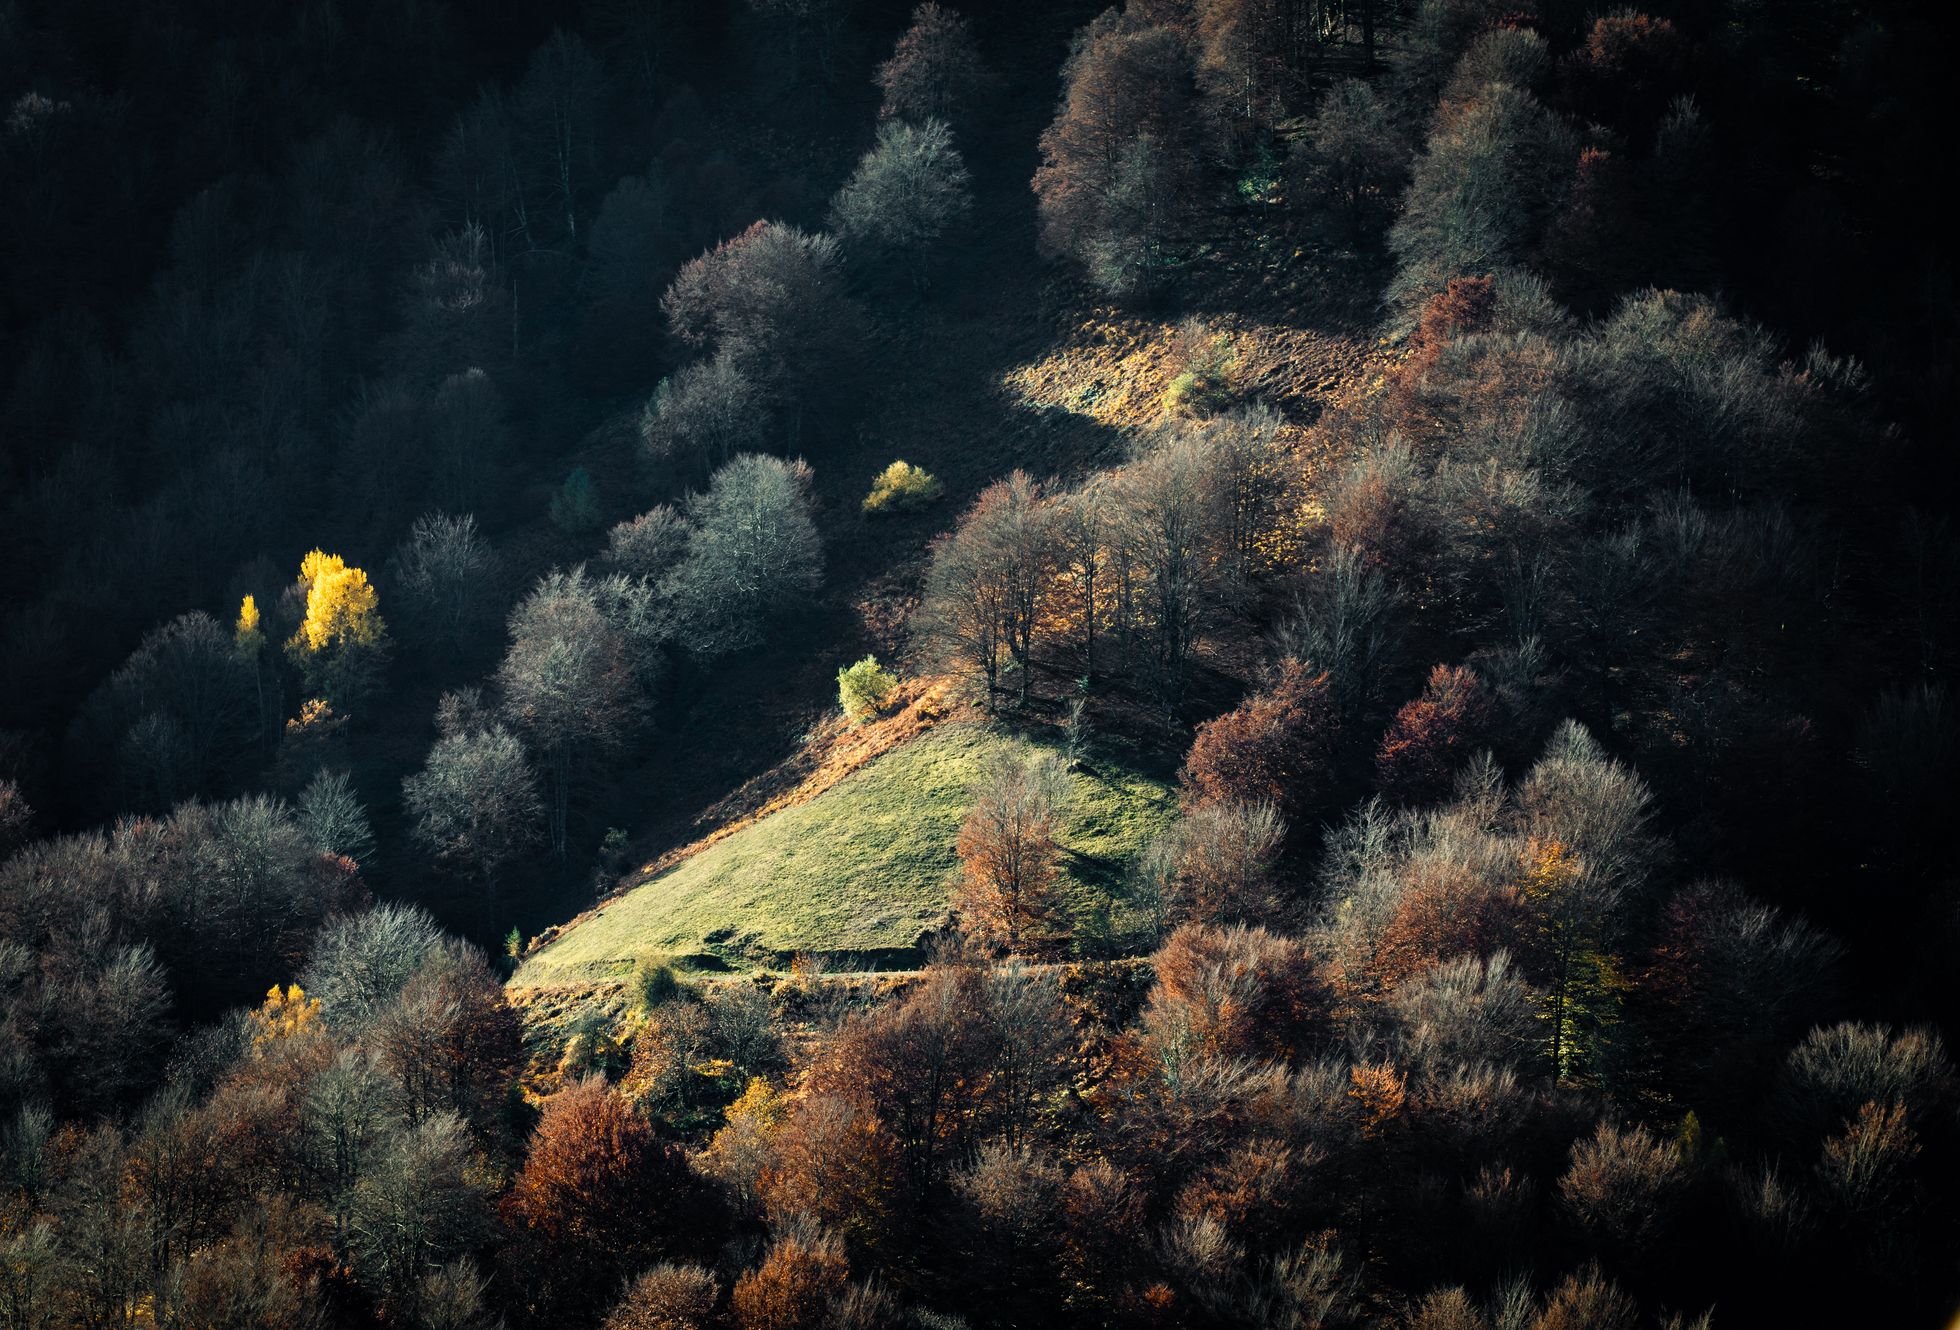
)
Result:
{"points": [[855, 874]]}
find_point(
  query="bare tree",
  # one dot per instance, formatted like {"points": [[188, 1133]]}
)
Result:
{"points": [[1353, 159], [557, 111], [772, 298], [1009, 847], [449, 580], [568, 684], [1173, 513], [359, 964], [331, 814], [986, 585], [1223, 855], [754, 554], [934, 71], [704, 414], [650, 545], [179, 706], [905, 194], [475, 801]]}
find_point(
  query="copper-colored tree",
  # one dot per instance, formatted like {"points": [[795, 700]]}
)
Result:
{"points": [[794, 1287], [1272, 747], [1009, 847], [919, 1070], [934, 71], [1118, 163], [1236, 992], [1433, 736], [599, 1198]]}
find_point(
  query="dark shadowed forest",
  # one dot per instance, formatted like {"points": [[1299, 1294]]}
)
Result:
{"points": [[829, 665]]}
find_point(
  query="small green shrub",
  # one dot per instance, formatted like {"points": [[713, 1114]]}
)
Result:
{"points": [[1208, 382], [575, 507], [863, 689], [653, 981], [902, 487]]}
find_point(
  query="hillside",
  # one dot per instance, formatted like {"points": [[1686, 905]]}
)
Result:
{"points": [[857, 875]]}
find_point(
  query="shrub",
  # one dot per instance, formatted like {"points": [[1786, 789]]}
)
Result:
{"points": [[865, 688], [575, 507], [903, 488], [667, 1297], [654, 980], [1207, 383]]}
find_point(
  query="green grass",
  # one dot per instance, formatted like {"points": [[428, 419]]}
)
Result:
{"points": [[856, 875]]}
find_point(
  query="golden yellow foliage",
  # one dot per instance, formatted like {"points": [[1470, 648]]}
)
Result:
{"points": [[341, 608], [1548, 869], [758, 1105], [247, 631], [285, 1013]]}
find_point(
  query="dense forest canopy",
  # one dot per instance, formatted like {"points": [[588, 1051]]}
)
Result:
{"points": [[822, 663]]}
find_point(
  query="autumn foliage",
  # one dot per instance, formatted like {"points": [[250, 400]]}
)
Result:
{"points": [[1273, 747], [1433, 735], [598, 1197], [1010, 850]]}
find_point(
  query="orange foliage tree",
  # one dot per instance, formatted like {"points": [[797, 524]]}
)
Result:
{"points": [[1273, 747], [795, 1286], [1236, 992], [598, 1199], [1009, 848], [1433, 736]]}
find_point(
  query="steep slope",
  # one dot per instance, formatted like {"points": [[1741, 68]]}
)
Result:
{"points": [[856, 875]]}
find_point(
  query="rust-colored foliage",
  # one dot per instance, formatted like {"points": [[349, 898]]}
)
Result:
{"points": [[453, 1041], [1237, 992], [794, 1286], [1272, 747], [834, 1162], [1433, 736], [1127, 84], [1447, 911], [1010, 853], [1630, 67], [1595, 242], [934, 70], [1258, 1191], [1465, 307], [330, 1284], [1380, 1094], [598, 1198], [1102, 1210], [916, 1074]]}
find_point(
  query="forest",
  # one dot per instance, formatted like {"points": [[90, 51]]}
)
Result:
{"points": [[873, 665]]}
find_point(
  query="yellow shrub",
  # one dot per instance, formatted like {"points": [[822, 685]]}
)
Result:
{"points": [[901, 487]]}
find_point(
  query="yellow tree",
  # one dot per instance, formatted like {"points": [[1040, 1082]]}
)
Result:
{"points": [[250, 637], [1569, 903], [342, 642]]}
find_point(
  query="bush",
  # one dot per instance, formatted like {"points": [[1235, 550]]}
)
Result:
{"points": [[902, 488], [654, 980], [863, 689], [575, 507], [1207, 383]]}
